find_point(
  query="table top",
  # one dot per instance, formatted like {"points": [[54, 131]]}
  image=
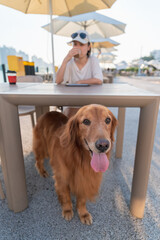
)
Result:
{"points": [[110, 94]]}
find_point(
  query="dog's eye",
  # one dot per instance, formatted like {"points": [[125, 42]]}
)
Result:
{"points": [[86, 122], [108, 120]]}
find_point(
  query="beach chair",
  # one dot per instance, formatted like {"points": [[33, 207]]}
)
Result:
{"points": [[28, 110]]}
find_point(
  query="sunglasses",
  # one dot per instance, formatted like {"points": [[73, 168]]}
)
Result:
{"points": [[82, 35]]}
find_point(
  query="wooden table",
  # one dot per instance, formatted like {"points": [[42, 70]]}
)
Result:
{"points": [[39, 94]]}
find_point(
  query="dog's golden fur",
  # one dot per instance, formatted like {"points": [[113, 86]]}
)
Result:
{"points": [[64, 142]]}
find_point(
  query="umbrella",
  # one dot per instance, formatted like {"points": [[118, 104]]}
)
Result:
{"points": [[103, 43], [107, 60], [99, 51], [106, 57], [57, 7], [103, 55], [97, 25], [104, 50]]}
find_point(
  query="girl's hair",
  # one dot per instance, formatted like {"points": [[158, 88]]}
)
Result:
{"points": [[89, 51]]}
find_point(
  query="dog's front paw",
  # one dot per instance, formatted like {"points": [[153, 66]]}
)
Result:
{"points": [[86, 218], [67, 214]]}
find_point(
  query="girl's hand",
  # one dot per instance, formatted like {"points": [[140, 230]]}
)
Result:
{"points": [[79, 82], [74, 51]]}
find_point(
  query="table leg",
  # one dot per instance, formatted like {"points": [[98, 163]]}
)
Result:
{"points": [[120, 132], [145, 141], [12, 157], [1, 192]]}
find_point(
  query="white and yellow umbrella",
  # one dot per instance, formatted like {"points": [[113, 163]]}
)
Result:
{"points": [[103, 50], [103, 43], [58, 7], [106, 57], [97, 25]]}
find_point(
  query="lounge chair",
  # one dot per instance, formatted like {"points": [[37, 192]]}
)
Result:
{"points": [[28, 110]]}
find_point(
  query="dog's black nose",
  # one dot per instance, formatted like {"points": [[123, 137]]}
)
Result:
{"points": [[102, 145]]}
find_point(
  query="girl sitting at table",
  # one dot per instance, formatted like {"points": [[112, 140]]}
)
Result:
{"points": [[79, 66]]}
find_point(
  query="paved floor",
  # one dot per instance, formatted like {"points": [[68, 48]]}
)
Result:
{"points": [[148, 83], [111, 217]]}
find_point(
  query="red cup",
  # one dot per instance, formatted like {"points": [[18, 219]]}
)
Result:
{"points": [[12, 78]]}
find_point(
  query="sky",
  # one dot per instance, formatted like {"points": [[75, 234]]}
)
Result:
{"points": [[142, 34]]}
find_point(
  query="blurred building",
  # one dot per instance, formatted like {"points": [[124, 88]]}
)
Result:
{"points": [[156, 54], [5, 51], [41, 65]]}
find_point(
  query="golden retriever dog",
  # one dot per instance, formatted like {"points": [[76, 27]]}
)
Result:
{"points": [[79, 149]]}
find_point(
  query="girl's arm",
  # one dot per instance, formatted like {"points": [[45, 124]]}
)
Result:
{"points": [[91, 81], [61, 71]]}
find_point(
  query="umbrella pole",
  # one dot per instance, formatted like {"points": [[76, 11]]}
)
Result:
{"points": [[52, 41]]}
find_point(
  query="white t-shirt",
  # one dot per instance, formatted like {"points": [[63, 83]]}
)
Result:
{"points": [[91, 69]]}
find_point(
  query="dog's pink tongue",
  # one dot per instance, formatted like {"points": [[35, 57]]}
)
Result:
{"points": [[99, 162]]}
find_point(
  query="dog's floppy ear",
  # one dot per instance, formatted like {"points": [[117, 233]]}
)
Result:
{"points": [[114, 124], [69, 135]]}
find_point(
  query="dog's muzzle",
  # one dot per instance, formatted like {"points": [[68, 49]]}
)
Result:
{"points": [[102, 145], [99, 160]]}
